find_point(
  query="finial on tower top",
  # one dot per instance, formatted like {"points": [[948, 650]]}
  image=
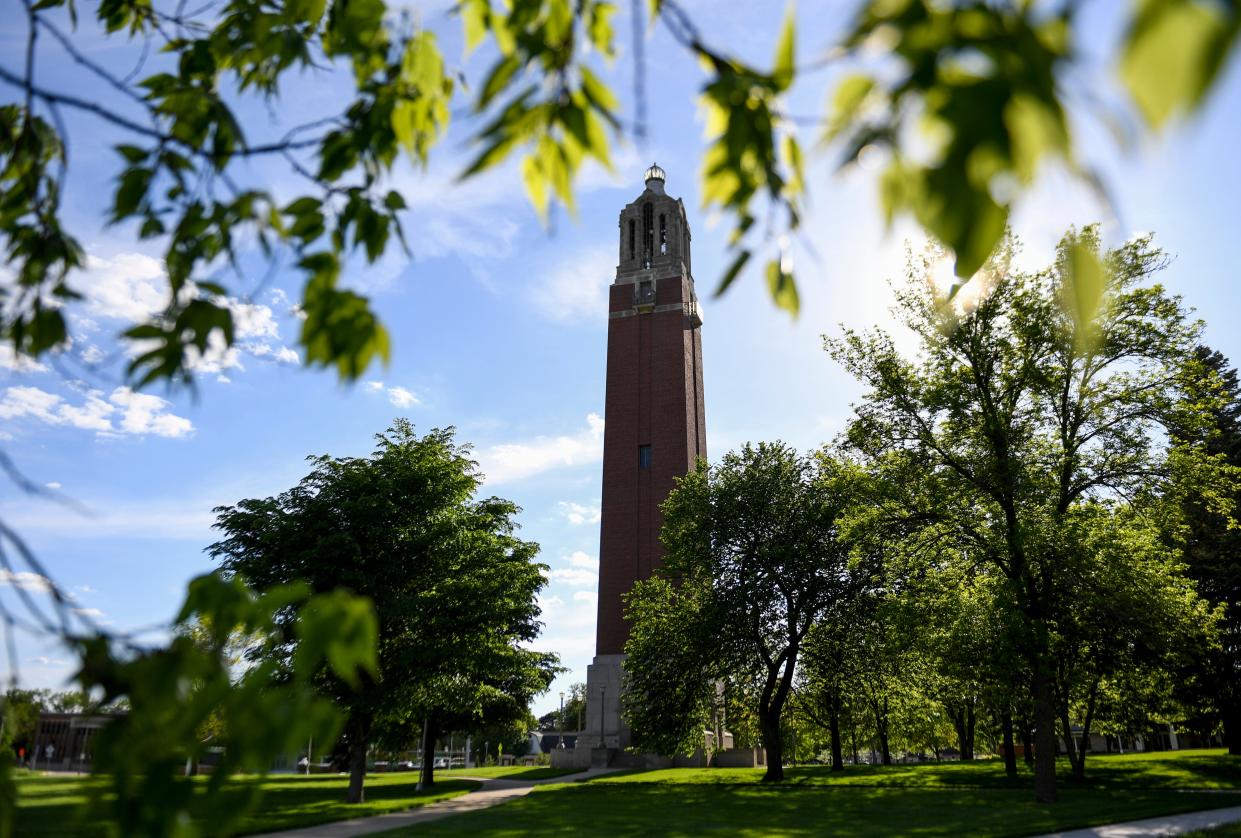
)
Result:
{"points": [[655, 173]]}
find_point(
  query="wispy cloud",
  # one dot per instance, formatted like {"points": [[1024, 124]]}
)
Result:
{"points": [[575, 289], [189, 519], [578, 514], [25, 580], [136, 414], [10, 360], [397, 396], [509, 462]]}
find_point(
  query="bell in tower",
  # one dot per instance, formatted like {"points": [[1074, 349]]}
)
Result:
{"points": [[654, 432]]}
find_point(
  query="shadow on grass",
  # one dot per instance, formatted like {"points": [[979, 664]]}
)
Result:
{"points": [[751, 810]]}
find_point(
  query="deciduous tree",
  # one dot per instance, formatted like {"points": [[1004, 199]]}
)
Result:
{"points": [[453, 588], [1033, 394]]}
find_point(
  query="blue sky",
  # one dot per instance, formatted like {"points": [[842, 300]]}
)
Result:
{"points": [[499, 328]]}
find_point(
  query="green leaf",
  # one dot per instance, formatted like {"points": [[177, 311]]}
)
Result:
{"points": [[132, 153], [1174, 51], [1035, 128], [501, 74], [134, 183], [536, 184], [340, 628], [784, 70], [850, 93], [305, 11], [734, 269], [474, 14], [783, 288], [599, 94], [1084, 285]]}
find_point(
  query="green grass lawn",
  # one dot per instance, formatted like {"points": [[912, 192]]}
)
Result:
{"points": [[924, 800], [53, 805], [921, 800]]}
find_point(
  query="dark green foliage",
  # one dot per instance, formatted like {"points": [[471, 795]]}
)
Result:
{"points": [[1015, 433], [755, 557], [453, 588], [1212, 679], [173, 691]]}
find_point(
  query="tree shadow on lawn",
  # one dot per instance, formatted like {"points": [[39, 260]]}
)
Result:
{"points": [[1198, 770], [749, 810]]}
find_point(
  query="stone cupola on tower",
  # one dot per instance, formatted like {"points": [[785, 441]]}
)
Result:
{"points": [[655, 429]]}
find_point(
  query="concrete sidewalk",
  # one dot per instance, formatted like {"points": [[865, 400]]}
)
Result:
{"points": [[1151, 827], [494, 792]]}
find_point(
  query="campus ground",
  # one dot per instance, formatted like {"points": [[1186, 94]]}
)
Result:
{"points": [[924, 800]]}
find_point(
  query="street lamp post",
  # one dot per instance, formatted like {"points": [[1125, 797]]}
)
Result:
{"points": [[561, 720]]}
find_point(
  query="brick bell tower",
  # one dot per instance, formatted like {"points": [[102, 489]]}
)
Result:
{"points": [[654, 427]]}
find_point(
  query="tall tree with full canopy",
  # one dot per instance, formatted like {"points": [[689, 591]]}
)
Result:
{"points": [[1032, 394], [1213, 557], [453, 588], [755, 544]]}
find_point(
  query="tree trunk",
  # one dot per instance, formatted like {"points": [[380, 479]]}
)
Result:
{"points": [[971, 721], [359, 740], [1044, 736], [1010, 747], [769, 725], [426, 775], [881, 730], [1027, 742], [1070, 744], [1231, 712], [963, 722], [833, 721], [1079, 767]]}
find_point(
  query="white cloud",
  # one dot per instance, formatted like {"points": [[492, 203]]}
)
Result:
{"points": [[52, 485], [29, 401], [580, 558], [400, 397], [574, 576], [10, 360], [397, 396], [91, 354], [577, 288], [586, 596], [508, 462], [128, 286], [253, 320], [578, 514], [86, 589], [136, 413], [471, 220], [44, 660], [26, 580], [285, 355], [145, 414], [93, 613]]}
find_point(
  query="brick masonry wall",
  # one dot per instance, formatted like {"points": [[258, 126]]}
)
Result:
{"points": [[654, 397]]}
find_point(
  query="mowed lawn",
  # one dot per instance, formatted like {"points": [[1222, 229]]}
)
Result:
{"points": [[925, 800], [54, 805]]}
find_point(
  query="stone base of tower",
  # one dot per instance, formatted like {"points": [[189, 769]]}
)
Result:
{"points": [[604, 727]]}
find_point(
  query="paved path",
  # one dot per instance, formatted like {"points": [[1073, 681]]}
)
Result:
{"points": [[494, 792], [1151, 827]]}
